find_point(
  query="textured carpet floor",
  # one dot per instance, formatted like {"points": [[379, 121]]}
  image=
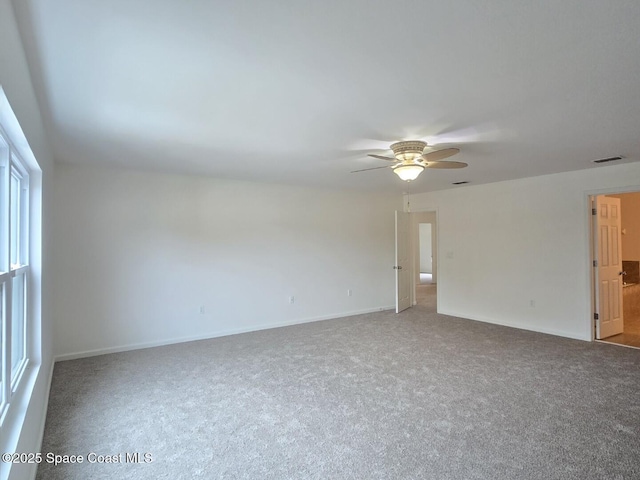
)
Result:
{"points": [[379, 396]]}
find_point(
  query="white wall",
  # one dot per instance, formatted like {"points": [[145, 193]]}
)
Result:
{"points": [[424, 232], [137, 254], [24, 431], [505, 245]]}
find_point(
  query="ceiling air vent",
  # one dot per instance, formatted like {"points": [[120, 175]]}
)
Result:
{"points": [[610, 159], [459, 183]]}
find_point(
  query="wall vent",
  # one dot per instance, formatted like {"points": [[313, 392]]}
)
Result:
{"points": [[610, 159], [459, 183]]}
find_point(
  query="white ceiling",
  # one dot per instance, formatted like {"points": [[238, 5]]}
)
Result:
{"points": [[299, 92]]}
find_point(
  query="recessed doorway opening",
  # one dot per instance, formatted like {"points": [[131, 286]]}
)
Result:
{"points": [[425, 253], [424, 250], [616, 265]]}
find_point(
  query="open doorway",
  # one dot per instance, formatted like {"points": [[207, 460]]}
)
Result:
{"points": [[425, 265], [616, 240], [425, 254]]}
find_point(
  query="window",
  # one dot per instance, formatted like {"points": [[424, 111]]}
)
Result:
{"points": [[14, 269]]}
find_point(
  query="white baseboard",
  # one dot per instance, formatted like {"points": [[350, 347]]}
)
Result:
{"points": [[529, 327], [46, 404], [14, 437], [223, 333], [34, 470]]}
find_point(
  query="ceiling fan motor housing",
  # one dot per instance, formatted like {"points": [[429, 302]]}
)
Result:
{"points": [[408, 151]]}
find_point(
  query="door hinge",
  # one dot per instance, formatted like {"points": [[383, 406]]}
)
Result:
{"points": [[593, 211], [595, 263], [596, 316]]}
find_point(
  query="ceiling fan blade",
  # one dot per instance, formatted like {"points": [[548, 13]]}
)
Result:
{"points": [[383, 158], [440, 154], [446, 164], [373, 168]]}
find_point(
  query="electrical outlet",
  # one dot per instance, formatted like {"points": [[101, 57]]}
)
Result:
{"points": [[292, 300], [201, 309], [349, 293]]}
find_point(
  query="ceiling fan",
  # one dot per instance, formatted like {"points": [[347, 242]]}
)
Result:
{"points": [[410, 159]]}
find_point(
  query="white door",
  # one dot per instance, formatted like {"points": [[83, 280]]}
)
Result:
{"points": [[609, 278], [402, 267]]}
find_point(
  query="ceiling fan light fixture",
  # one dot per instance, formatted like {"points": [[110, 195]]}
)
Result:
{"points": [[410, 159], [408, 172]]}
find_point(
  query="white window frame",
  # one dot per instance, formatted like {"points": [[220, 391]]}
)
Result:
{"points": [[12, 167]]}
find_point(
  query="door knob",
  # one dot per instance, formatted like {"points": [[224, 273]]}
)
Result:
{"points": [[622, 273], [397, 268]]}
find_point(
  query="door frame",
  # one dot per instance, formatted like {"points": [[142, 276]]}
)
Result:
{"points": [[591, 252], [418, 260], [414, 251]]}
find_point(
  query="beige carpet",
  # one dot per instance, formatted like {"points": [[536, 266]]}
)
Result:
{"points": [[426, 298], [379, 396]]}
